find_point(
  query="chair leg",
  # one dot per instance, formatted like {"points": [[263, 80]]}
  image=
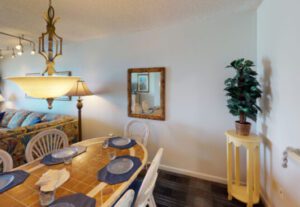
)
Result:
{"points": [[152, 202]]}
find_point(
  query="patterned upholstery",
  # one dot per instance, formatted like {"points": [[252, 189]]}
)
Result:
{"points": [[14, 141], [17, 119], [50, 117], [7, 117], [32, 119]]}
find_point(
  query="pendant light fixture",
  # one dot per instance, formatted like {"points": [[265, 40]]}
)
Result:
{"points": [[33, 49], [13, 55], [19, 46], [49, 85]]}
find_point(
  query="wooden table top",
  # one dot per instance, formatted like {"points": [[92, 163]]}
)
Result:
{"points": [[83, 177]]}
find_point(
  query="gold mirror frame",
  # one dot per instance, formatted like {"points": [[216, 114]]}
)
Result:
{"points": [[162, 72]]}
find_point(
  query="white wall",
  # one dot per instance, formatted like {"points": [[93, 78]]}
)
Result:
{"points": [[278, 48], [195, 53]]}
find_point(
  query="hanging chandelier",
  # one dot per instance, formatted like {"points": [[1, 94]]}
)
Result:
{"points": [[49, 85]]}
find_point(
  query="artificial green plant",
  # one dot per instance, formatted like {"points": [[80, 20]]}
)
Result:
{"points": [[243, 91]]}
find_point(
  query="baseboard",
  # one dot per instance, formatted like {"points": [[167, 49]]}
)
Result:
{"points": [[265, 200], [194, 174], [208, 177]]}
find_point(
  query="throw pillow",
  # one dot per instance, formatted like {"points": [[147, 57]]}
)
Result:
{"points": [[7, 117], [17, 119], [32, 119]]}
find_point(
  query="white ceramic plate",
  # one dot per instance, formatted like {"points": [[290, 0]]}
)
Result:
{"points": [[5, 180], [66, 152], [120, 166], [121, 141]]}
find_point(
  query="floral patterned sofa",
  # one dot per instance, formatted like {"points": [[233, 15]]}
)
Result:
{"points": [[17, 127]]}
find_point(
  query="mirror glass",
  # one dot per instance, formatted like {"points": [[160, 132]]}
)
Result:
{"points": [[145, 93]]}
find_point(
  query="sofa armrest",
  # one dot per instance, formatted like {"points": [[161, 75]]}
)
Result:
{"points": [[12, 132]]}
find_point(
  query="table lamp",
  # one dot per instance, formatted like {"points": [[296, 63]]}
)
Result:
{"points": [[79, 89]]}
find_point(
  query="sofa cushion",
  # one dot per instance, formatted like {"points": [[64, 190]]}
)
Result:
{"points": [[32, 119], [17, 119], [7, 117]]}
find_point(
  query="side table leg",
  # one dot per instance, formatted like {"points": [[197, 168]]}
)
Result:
{"points": [[229, 170], [250, 171], [237, 165], [257, 172]]}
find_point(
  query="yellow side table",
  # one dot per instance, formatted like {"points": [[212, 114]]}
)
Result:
{"points": [[250, 193]]}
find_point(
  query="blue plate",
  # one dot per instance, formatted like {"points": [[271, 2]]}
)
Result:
{"points": [[5, 180], [120, 141], [120, 166]]}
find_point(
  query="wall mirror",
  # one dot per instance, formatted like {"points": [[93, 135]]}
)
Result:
{"points": [[146, 93]]}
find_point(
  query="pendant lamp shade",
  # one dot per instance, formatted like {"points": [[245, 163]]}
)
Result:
{"points": [[45, 86]]}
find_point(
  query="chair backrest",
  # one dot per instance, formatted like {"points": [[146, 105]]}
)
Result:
{"points": [[44, 143], [137, 130], [6, 161], [149, 181], [126, 200]]}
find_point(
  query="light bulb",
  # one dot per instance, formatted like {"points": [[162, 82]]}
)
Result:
{"points": [[19, 47], [32, 52], [1, 56], [20, 52]]}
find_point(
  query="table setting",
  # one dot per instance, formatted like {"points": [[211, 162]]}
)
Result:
{"points": [[121, 168], [116, 165], [11, 179], [64, 155], [121, 142]]}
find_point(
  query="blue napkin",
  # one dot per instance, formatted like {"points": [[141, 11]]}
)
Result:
{"points": [[78, 200], [49, 160], [105, 176], [20, 177], [129, 145]]}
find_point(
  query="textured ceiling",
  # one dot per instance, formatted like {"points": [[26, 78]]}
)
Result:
{"points": [[86, 19]]}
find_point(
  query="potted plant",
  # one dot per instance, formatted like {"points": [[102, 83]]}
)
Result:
{"points": [[243, 91]]}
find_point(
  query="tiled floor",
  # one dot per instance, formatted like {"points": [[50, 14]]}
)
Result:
{"points": [[174, 190]]}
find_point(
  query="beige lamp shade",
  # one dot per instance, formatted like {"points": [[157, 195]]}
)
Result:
{"points": [[2, 99], [79, 89], [45, 87]]}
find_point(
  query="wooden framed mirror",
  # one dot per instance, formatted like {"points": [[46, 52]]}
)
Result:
{"points": [[146, 93]]}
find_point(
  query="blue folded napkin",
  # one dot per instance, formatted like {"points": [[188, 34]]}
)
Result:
{"points": [[49, 160], [105, 176], [129, 145], [76, 200], [20, 177]]}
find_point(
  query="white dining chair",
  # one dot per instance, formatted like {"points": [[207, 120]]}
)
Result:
{"points": [[145, 194], [6, 161], [44, 143], [126, 200], [137, 130]]}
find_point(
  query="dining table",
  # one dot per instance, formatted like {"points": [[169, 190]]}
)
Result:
{"points": [[83, 176]]}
